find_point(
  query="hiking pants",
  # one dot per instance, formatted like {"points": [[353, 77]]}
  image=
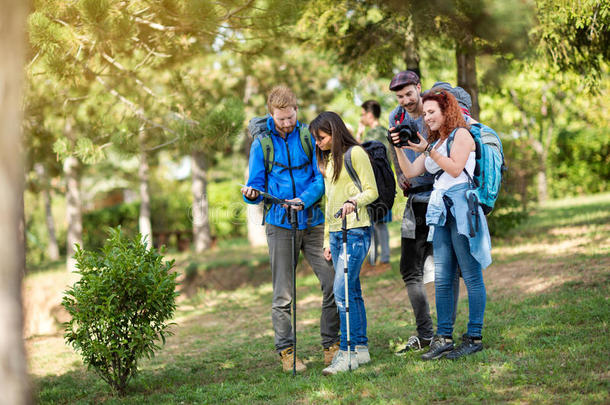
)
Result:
{"points": [[310, 241], [412, 258]]}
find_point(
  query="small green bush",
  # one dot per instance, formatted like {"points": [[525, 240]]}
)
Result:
{"points": [[119, 307]]}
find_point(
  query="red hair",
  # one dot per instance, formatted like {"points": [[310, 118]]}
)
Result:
{"points": [[452, 113]]}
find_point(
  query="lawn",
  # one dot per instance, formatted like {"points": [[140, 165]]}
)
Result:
{"points": [[545, 334]]}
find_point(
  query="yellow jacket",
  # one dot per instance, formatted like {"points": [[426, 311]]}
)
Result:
{"points": [[345, 189]]}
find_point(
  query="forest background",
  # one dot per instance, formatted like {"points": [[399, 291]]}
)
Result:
{"points": [[135, 112]]}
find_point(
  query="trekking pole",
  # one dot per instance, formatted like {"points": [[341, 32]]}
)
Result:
{"points": [[345, 259], [294, 219]]}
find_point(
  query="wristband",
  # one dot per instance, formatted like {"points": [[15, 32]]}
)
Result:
{"points": [[428, 150]]}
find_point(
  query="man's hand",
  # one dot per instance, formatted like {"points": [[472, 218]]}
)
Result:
{"points": [[327, 255], [395, 137], [360, 131], [295, 207], [250, 193]]}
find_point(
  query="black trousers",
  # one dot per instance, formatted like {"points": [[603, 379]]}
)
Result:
{"points": [[412, 257]]}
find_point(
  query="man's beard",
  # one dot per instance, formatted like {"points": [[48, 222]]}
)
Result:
{"points": [[286, 130]]}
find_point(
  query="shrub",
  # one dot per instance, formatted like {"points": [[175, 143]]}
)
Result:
{"points": [[119, 307]]}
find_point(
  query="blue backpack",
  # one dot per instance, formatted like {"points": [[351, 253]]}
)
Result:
{"points": [[490, 165]]}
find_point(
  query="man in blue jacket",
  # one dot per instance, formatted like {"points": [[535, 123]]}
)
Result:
{"points": [[293, 176]]}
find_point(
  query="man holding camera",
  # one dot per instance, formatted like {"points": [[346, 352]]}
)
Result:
{"points": [[414, 231], [291, 173]]}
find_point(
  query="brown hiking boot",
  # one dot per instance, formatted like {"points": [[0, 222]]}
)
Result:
{"points": [[329, 353], [287, 356]]}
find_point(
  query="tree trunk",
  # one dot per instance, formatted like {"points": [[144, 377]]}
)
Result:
{"points": [[73, 210], [465, 54], [254, 213], [201, 222], [254, 218], [53, 246], [144, 222], [411, 56], [14, 382]]}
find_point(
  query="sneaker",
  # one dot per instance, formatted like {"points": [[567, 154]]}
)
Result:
{"points": [[439, 347], [414, 344], [362, 352], [329, 353], [287, 356], [468, 346], [340, 363]]}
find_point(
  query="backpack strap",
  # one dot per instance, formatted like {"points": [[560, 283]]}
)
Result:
{"points": [[305, 136], [449, 143], [349, 167], [399, 116], [347, 160]]}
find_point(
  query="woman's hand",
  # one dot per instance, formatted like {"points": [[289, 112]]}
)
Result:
{"points": [[417, 147], [348, 208], [327, 254]]}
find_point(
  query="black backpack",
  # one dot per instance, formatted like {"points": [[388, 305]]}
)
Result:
{"points": [[384, 177]]}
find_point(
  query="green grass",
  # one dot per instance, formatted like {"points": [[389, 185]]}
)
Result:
{"points": [[545, 333]]}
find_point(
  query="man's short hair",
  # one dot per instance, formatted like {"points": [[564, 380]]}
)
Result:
{"points": [[403, 79], [373, 107], [281, 97]]}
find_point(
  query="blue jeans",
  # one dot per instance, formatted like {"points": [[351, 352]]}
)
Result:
{"points": [[450, 250], [358, 243], [380, 243]]}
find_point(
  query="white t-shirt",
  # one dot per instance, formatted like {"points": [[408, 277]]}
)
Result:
{"points": [[446, 181]]}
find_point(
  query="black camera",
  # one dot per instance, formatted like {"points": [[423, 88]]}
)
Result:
{"points": [[406, 132]]}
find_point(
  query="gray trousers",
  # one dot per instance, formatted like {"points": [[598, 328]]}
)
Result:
{"points": [[310, 241]]}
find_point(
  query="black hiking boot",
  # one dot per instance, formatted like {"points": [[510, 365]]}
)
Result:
{"points": [[468, 346], [439, 347], [414, 344]]}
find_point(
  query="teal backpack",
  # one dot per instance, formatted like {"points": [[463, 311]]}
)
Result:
{"points": [[490, 165]]}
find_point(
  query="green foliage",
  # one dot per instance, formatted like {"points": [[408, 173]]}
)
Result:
{"points": [[227, 212], [119, 307], [575, 35], [170, 211], [96, 222], [581, 164]]}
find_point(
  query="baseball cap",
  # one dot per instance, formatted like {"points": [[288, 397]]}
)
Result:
{"points": [[461, 95], [404, 78]]}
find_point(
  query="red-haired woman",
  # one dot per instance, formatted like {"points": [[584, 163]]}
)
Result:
{"points": [[448, 210]]}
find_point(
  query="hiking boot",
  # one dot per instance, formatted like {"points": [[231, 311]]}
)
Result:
{"points": [[439, 347], [329, 353], [340, 363], [287, 356], [468, 346], [362, 352], [414, 344]]}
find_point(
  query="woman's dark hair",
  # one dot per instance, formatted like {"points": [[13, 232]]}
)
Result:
{"points": [[452, 113], [330, 123]]}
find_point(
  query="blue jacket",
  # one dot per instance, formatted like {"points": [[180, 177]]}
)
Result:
{"points": [[305, 183]]}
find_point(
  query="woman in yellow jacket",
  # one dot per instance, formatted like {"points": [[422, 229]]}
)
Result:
{"points": [[334, 140]]}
